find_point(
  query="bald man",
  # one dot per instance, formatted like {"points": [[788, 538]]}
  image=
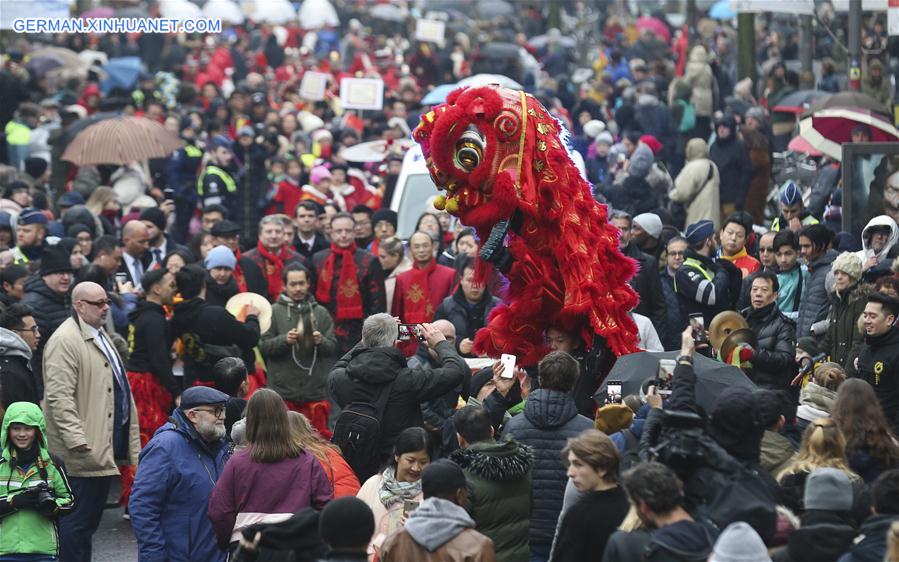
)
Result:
{"points": [[420, 290], [91, 417], [436, 412], [135, 254]]}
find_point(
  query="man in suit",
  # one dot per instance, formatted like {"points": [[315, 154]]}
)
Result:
{"points": [[159, 243], [135, 258], [308, 241]]}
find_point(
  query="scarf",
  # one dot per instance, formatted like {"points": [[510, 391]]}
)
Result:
{"points": [[392, 491], [238, 274], [349, 300], [272, 267], [417, 305]]}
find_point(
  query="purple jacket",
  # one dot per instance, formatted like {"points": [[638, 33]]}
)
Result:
{"points": [[249, 492]]}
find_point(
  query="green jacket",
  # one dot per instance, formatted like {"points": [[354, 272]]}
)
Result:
{"points": [[25, 531], [499, 481], [289, 380]]}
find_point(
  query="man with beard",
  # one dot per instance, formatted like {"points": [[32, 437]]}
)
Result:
{"points": [[31, 228], [160, 244], [178, 470]]}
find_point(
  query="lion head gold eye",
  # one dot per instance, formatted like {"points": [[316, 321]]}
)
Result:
{"points": [[469, 150]]}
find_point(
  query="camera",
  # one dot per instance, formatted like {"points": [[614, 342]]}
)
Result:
{"points": [[681, 444], [46, 499]]}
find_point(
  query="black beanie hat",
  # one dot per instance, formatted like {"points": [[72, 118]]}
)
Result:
{"points": [[55, 259], [441, 477], [35, 167], [346, 523], [154, 215]]}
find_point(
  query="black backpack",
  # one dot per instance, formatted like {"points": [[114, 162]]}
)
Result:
{"points": [[358, 429]]}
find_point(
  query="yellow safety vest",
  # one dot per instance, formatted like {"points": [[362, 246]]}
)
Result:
{"points": [[192, 151], [17, 134], [230, 185], [697, 265], [807, 221]]}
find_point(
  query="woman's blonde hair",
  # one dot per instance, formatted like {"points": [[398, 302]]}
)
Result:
{"points": [[303, 434], [823, 446], [392, 245], [99, 198]]}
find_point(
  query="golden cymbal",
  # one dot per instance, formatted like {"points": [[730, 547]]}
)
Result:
{"points": [[723, 325]]}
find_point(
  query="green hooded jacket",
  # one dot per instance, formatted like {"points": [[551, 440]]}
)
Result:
{"points": [[25, 531]]}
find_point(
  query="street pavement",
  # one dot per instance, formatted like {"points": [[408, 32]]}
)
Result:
{"points": [[114, 541]]}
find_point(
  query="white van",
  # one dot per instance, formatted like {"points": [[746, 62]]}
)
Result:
{"points": [[413, 188]]}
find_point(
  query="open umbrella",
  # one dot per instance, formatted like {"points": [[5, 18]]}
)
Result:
{"points": [[226, 10], [315, 14], [375, 151], [70, 133], [388, 12], [487, 79], [489, 9], [655, 26], [69, 57], [121, 140], [275, 12], [540, 41], [828, 129], [721, 10], [180, 9], [438, 94], [121, 72], [850, 99], [712, 377], [799, 101], [799, 144], [40, 66]]}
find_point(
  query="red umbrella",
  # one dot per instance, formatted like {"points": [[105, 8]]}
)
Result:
{"points": [[828, 129], [799, 144], [655, 26]]}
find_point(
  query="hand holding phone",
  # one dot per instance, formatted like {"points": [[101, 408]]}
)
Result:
{"points": [[613, 392], [508, 363]]}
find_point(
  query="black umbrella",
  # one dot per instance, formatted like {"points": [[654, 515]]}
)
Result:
{"points": [[850, 99], [712, 377], [500, 51]]}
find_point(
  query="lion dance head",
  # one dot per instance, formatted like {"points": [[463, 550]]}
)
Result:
{"points": [[499, 155]]}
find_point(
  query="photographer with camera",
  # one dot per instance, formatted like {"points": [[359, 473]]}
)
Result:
{"points": [[718, 459], [34, 490]]}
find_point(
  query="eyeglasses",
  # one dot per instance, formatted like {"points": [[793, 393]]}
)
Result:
{"points": [[218, 411], [32, 329], [766, 250], [98, 304]]}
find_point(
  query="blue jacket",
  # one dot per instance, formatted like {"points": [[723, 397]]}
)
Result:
{"points": [[175, 476], [549, 418]]}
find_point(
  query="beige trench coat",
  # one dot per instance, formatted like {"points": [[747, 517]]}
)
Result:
{"points": [[79, 403]]}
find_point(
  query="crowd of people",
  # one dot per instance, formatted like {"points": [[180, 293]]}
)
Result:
{"points": [[237, 340]]}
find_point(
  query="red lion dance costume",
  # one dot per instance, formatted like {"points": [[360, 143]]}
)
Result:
{"points": [[500, 157]]}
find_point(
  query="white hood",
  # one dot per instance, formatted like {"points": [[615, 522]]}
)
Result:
{"points": [[882, 220]]}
